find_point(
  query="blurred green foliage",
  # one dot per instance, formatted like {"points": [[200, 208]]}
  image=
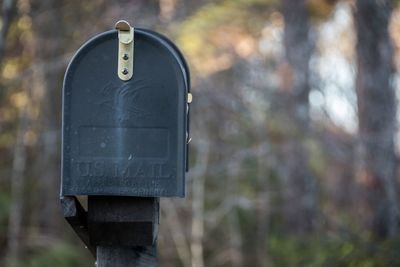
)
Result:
{"points": [[316, 251], [4, 210], [60, 255]]}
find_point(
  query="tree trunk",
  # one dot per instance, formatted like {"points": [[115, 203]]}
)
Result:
{"points": [[299, 185], [198, 173], [15, 235], [377, 116], [48, 44]]}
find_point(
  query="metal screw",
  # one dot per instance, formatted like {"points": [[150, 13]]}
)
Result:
{"points": [[125, 71], [125, 57]]}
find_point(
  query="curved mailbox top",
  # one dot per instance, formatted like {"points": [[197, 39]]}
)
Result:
{"points": [[120, 137]]}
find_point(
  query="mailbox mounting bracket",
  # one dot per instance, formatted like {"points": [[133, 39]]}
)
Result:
{"points": [[125, 50]]}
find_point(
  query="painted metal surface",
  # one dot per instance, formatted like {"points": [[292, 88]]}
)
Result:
{"points": [[125, 138]]}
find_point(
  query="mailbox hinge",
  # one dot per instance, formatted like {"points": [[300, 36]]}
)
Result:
{"points": [[125, 50]]}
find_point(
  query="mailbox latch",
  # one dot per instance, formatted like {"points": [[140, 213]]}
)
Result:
{"points": [[125, 50]]}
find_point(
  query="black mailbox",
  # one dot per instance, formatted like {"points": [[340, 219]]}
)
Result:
{"points": [[125, 127]]}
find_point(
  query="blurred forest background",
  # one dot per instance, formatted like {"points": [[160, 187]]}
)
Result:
{"points": [[294, 158]]}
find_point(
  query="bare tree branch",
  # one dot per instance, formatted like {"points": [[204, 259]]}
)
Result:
{"points": [[177, 232], [199, 172]]}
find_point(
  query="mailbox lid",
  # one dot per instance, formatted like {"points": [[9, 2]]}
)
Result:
{"points": [[125, 137]]}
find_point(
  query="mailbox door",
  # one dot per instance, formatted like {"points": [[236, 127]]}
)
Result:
{"points": [[125, 137]]}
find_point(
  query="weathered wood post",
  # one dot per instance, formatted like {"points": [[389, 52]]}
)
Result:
{"points": [[125, 141]]}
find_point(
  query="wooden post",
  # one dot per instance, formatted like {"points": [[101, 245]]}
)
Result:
{"points": [[114, 256], [124, 230], [76, 216], [119, 231]]}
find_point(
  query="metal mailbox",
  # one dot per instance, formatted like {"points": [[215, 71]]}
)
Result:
{"points": [[125, 117]]}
